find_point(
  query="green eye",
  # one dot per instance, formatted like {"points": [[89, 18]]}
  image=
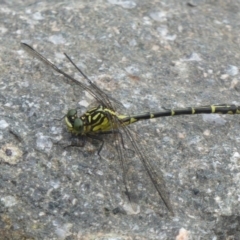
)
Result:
{"points": [[72, 113], [74, 123], [78, 125]]}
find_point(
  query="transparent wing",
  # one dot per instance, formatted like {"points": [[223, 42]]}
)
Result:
{"points": [[155, 176], [95, 91], [102, 95]]}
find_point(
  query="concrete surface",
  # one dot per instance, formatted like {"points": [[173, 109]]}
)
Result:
{"points": [[149, 55]]}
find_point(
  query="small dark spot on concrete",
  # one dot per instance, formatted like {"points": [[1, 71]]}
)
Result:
{"points": [[14, 182], [118, 210], [106, 212], [190, 4], [8, 152], [195, 191]]}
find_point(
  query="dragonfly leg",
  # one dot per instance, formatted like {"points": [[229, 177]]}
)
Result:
{"points": [[100, 140], [74, 143], [16, 135]]}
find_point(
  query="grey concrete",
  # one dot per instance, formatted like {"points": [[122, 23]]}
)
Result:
{"points": [[149, 55]]}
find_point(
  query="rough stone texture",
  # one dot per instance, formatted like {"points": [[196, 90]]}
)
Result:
{"points": [[148, 54]]}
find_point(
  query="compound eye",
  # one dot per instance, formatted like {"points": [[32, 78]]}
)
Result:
{"points": [[78, 125], [71, 115]]}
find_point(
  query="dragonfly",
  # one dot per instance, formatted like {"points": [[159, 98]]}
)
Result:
{"points": [[104, 119]]}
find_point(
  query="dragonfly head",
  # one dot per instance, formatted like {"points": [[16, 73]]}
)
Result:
{"points": [[74, 123]]}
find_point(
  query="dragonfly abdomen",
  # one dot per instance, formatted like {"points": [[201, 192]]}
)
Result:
{"points": [[219, 109]]}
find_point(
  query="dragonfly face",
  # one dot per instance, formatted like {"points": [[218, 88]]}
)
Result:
{"points": [[74, 124]]}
